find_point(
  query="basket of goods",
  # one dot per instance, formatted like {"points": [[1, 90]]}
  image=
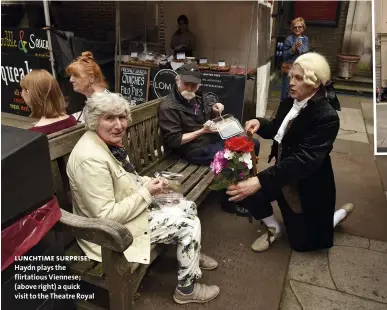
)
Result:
{"points": [[219, 68], [204, 67]]}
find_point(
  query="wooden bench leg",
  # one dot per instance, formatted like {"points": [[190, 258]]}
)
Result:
{"points": [[119, 279]]}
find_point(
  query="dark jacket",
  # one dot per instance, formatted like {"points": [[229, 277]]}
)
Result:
{"points": [[303, 174], [177, 116]]}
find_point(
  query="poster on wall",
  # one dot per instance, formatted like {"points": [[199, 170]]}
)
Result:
{"points": [[22, 50], [134, 83]]}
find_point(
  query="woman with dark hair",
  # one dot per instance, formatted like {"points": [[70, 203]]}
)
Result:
{"points": [[183, 40]]}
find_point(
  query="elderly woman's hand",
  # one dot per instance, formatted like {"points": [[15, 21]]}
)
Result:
{"points": [[157, 186], [244, 189]]}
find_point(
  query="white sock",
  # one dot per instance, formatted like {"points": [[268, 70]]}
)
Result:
{"points": [[272, 222], [339, 216]]}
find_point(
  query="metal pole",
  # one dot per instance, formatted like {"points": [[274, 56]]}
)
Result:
{"points": [[48, 24], [118, 47]]}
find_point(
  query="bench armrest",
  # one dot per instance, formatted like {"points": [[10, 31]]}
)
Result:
{"points": [[106, 233]]}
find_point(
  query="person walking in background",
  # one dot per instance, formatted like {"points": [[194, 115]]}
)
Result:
{"points": [[42, 94], [87, 78], [295, 45]]}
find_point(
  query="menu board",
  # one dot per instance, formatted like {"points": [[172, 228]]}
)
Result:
{"points": [[22, 50], [134, 83]]}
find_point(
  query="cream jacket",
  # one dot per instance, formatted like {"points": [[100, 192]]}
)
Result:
{"points": [[101, 188]]}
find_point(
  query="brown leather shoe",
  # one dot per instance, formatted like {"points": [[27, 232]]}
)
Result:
{"points": [[202, 293], [348, 207], [264, 242], [207, 263]]}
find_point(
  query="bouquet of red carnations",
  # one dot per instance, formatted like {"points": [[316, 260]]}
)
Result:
{"points": [[233, 164]]}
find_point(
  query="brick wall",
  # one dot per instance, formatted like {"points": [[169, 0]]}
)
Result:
{"points": [[93, 20], [324, 39]]}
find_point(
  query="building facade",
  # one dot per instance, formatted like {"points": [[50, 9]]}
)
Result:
{"points": [[380, 15]]}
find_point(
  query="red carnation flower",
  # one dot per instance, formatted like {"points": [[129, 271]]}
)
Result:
{"points": [[239, 144]]}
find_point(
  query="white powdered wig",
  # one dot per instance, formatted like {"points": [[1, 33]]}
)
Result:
{"points": [[316, 68], [105, 104]]}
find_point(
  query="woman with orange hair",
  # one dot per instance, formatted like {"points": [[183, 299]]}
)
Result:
{"points": [[295, 45], [86, 77], [42, 94]]}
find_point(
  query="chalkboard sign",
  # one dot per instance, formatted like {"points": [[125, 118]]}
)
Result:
{"points": [[134, 83]]}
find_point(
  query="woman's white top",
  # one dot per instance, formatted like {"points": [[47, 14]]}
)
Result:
{"points": [[293, 113]]}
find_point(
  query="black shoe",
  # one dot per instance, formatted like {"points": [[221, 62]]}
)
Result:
{"points": [[233, 208]]}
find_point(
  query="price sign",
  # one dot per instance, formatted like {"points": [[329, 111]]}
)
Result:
{"points": [[221, 63], [180, 56], [133, 54], [203, 61]]}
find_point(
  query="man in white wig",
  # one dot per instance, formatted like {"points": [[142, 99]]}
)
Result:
{"points": [[302, 180]]}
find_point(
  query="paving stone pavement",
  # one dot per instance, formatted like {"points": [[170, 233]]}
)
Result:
{"points": [[350, 275]]}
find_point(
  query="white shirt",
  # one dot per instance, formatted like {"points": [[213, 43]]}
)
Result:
{"points": [[293, 113]]}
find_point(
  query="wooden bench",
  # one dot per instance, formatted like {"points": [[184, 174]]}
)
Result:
{"points": [[119, 277]]}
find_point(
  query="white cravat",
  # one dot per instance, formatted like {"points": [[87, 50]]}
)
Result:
{"points": [[293, 113]]}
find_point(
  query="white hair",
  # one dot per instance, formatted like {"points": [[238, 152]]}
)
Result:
{"points": [[105, 104], [316, 68]]}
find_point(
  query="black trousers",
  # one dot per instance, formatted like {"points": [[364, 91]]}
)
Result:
{"points": [[301, 228]]}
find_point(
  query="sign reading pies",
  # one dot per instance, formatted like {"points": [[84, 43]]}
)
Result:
{"points": [[134, 83]]}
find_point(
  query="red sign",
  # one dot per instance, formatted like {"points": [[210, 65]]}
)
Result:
{"points": [[316, 11]]}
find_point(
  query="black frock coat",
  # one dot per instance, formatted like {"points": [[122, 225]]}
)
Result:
{"points": [[302, 179]]}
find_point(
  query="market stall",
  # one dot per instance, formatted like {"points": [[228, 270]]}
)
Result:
{"points": [[149, 74], [140, 82]]}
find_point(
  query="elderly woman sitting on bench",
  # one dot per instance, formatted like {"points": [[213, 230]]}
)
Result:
{"points": [[104, 184]]}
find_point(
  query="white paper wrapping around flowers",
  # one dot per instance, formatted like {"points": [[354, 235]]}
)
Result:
{"points": [[229, 128]]}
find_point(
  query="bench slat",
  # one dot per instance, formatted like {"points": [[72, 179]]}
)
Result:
{"points": [[63, 145], [151, 139], [201, 187], [162, 164], [187, 172], [157, 136], [194, 179], [133, 152], [142, 144], [144, 111], [179, 166]]}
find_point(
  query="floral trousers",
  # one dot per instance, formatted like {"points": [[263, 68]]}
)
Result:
{"points": [[178, 224]]}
